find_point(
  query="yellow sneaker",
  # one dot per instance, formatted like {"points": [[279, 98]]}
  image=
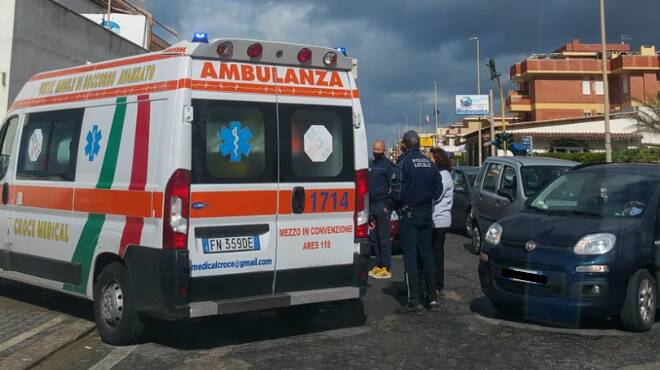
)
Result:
{"points": [[374, 271], [384, 273]]}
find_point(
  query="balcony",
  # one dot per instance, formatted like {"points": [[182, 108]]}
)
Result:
{"points": [[518, 102]]}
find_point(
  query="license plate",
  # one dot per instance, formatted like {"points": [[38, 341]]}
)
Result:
{"points": [[231, 244]]}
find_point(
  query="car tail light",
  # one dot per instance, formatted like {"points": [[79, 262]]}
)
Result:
{"points": [[304, 55], [176, 211], [225, 49], [330, 58], [255, 50], [361, 215]]}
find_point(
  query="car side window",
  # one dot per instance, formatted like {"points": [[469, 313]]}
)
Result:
{"points": [[458, 179], [49, 144], [7, 136], [509, 182], [491, 177]]}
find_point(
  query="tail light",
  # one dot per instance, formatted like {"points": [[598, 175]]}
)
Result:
{"points": [[225, 49], [176, 212], [304, 55], [330, 58], [361, 216], [255, 50]]}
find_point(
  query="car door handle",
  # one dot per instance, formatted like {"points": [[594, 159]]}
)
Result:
{"points": [[657, 243], [298, 199], [5, 193]]}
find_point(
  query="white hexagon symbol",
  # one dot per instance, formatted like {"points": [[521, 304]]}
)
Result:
{"points": [[318, 143]]}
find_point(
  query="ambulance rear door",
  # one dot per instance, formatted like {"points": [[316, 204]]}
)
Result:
{"points": [[233, 193], [316, 240]]}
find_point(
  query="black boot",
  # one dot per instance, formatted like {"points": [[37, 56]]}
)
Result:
{"points": [[412, 282], [431, 293]]}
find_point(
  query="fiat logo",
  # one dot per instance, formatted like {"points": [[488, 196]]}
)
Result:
{"points": [[530, 246]]}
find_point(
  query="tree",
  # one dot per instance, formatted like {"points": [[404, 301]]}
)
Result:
{"points": [[648, 116]]}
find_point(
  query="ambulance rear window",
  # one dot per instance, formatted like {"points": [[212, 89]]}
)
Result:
{"points": [[234, 142]]}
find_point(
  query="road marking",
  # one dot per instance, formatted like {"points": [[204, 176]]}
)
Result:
{"points": [[30, 333], [112, 359]]}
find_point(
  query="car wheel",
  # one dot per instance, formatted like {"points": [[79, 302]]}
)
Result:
{"points": [[117, 320], [468, 222], [638, 313], [476, 239]]}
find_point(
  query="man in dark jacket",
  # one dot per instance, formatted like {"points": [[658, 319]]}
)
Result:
{"points": [[416, 182], [380, 207]]}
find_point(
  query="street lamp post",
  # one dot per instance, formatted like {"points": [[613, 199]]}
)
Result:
{"points": [[435, 111], [475, 38], [420, 118], [406, 117], [478, 65], [606, 94]]}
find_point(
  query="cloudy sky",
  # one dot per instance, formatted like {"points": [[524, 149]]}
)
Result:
{"points": [[404, 45]]}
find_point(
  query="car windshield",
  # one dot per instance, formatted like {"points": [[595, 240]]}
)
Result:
{"points": [[597, 194], [535, 178]]}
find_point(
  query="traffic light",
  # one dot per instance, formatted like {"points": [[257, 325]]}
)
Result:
{"points": [[492, 69], [501, 138]]}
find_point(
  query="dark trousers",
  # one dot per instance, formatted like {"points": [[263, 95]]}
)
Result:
{"points": [[438, 248], [415, 234], [381, 236]]}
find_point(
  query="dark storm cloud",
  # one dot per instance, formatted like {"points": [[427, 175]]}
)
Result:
{"points": [[402, 46]]}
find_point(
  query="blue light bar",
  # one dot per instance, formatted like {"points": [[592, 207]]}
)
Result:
{"points": [[200, 37], [341, 50]]}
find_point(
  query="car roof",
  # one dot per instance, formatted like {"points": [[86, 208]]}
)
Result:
{"points": [[532, 161], [471, 170], [622, 168]]}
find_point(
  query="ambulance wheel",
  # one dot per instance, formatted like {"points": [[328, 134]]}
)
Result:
{"points": [[638, 313], [116, 319]]}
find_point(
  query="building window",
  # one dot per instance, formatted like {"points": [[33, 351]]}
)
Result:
{"points": [[586, 87], [587, 113], [599, 87], [624, 82]]}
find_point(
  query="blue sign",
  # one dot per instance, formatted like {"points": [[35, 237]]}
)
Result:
{"points": [[474, 105], [528, 143], [93, 143], [235, 141]]}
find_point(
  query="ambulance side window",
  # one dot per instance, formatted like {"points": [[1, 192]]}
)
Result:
{"points": [[316, 143], [234, 142], [7, 136], [48, 146]]}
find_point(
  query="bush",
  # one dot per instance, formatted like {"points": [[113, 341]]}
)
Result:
{"points": [[642, 155]]}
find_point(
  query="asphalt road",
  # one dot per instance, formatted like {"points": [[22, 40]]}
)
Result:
{"points": [[44, 330]]}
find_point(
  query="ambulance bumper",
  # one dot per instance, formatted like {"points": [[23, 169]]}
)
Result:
{"points": [[229, 306], [161, 287]]}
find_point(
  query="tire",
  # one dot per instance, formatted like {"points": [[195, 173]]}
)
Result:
{"points": [[468, 222], [638, 313], [477, 239], [116, 319]]}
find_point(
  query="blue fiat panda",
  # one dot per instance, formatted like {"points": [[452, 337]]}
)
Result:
{"points": [[587, 245]]}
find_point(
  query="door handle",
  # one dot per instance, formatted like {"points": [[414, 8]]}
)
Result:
{"points": [[657, 243], [298, 199], [5, 193]]}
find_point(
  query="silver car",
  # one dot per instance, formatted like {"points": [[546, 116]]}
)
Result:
{"points": [[504, 185]]}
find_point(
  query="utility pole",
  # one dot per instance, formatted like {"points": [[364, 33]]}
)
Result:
{"points": [[492, 122], [420, 118], [406, 117], [501, 88], [107, 24], [606, 93], [435, 112]]}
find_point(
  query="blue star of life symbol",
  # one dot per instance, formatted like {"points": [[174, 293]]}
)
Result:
{"points": [[93, 143], [235, 141]]}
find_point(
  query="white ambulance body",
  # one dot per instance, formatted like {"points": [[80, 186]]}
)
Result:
{"points": [[207, 179]]}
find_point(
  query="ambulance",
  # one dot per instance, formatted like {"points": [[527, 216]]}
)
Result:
{"points": [[207, 179]]}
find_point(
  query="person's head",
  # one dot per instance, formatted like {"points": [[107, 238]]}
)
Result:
{"points": [[440, 158], [378, 149], [410, 140]]}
